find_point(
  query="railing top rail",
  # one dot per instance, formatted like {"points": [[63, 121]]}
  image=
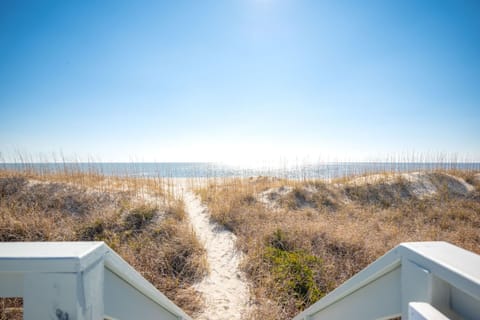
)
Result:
{"points": [[49, 256], [455, 259]]}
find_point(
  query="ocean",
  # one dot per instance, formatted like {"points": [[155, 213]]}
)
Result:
{"points": [[206, 170]]}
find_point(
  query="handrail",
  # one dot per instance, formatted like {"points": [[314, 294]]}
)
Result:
{"points": [[437, 273], [88, 280], [122, 269], [79, 280]]}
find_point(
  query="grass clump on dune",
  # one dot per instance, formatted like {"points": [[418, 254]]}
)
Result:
{"points": [[302, 239], [136, 218], [293, 272]]}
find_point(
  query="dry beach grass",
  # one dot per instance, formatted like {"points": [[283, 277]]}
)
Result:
{"points": [[302, 239]]}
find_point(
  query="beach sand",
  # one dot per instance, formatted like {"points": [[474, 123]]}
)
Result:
{"points": [[225, 289]]}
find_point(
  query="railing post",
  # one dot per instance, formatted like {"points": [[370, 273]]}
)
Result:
{"points": [[57, 280], [419, 284], [64, 296], [415, 283]]}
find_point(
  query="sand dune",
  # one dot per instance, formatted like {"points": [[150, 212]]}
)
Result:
{"points": [[389, 186]]}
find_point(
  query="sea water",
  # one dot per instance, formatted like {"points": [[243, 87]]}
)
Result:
{"points": [[208, 169]]}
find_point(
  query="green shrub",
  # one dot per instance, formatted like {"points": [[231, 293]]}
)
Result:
{"points": [[295, 273]]}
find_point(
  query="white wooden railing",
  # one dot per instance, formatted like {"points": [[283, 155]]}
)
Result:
{"points": [[418, 281], [88, 280], [78, 281]]}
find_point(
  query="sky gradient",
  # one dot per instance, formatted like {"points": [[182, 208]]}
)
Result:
{"points": [[239, 80]]}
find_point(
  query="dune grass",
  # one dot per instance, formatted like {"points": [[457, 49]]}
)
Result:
{"points": [[302, 239], [138, 218]]}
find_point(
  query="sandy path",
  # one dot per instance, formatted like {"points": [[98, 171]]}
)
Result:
{"points": [[224, 289]]}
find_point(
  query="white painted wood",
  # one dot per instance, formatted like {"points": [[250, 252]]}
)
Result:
{"points": [[447, 262], [440, 296], [465, 305], [92, 286], [437, 273], [56, 296], [87, 280], [376, 270], [122, 301], [354, 306], [72, 280], [11, 284], [115, 264], [415, 284], [49, 256], [424, 311]]}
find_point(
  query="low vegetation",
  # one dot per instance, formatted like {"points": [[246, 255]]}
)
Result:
{"points": [[302, 239], [137, 218]]}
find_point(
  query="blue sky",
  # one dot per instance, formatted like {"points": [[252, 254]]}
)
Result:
{"points": [[239, 80]]}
